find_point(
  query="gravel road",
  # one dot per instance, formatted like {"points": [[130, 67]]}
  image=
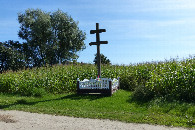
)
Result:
{"points": [[18, 120]]}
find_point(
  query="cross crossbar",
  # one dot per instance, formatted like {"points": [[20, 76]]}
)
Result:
{"points": [[96, 43], [97, 31]]}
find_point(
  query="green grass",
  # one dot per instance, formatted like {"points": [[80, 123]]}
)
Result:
{"points": [[160, 92], [120, 107]]}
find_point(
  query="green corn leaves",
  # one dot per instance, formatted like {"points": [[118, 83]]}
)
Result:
{"points": [[171, 78]]}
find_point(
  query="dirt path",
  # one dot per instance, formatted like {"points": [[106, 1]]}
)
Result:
{"points": [[18, 120]]}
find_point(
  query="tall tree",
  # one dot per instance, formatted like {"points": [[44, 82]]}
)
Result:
{"points": [[51, 37]]}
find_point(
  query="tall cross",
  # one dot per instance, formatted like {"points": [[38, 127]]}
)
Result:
{"points": [[98, 42]]}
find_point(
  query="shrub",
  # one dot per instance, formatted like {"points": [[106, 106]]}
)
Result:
{"points": [[142, 93]]}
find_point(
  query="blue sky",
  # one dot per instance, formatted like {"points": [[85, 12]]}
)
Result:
{"points": [[137, 30]]}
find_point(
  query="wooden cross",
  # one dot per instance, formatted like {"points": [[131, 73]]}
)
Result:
{"points": [[98, 42]]}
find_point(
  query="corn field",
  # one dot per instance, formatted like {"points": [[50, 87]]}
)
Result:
{"points": [[175, 79]]}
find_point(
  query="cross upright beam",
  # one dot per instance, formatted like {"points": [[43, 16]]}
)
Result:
{"points": [[98, 42]]}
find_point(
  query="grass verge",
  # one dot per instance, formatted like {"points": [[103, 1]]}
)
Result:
{"points": [[118, 107]]}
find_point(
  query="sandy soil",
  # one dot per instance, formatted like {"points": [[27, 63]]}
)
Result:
{"points": [[18, 120]]}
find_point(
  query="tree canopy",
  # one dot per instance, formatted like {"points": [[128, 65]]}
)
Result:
{"points": [[49, 38], [52, 37]]}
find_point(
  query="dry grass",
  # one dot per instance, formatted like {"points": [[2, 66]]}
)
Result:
{"points": [[7, 119]]}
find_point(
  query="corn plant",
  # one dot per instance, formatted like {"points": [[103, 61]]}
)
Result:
{"points": [[172, 78]]}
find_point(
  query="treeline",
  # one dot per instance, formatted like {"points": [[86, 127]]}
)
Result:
{"points": [[49, 38], [12, 56]]}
